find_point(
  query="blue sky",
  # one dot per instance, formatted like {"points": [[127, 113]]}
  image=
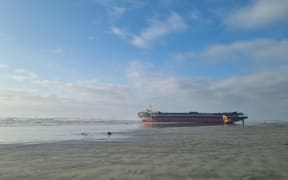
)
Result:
{"points": [[112, 58]]}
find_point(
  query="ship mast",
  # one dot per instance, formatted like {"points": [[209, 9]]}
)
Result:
{"points": [[151, 109]]}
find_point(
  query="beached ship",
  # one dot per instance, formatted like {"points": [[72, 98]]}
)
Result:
{"points": [[192, 117]]}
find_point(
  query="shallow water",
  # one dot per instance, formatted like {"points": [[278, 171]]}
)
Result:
{"points": [[176, 153], [54, 130], [35, 130]]}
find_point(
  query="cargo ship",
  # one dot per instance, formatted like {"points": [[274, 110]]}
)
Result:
{"points": [[196, 118]]}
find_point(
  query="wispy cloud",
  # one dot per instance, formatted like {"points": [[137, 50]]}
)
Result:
{"points": [[117, 8], [120, 32], [258, 49], [85, 91], [258, 13], [24, 103], [90, 91], [256, 86], [146, 77], [159, 29], [31, 96], [23, 75], [3, 66], [156, 30], [86, 98], [197, 16]]}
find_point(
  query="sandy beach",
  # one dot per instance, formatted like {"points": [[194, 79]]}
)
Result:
{"points": [[232, 152]]}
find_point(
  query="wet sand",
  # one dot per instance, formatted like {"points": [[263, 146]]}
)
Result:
{"points": [[233, 152]]}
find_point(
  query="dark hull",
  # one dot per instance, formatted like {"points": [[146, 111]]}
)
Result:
{"points": [[177, 124], [196, 118]]}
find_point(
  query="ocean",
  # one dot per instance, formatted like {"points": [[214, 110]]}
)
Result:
{"points": [[49, 130], [35, 130]]}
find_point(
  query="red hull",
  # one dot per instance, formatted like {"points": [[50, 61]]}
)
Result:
{"points": [[175, 124], [186, 120], [192, 117]]}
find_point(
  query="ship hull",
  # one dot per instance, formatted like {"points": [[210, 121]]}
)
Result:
{"points": [[177, 124], [202, 120], [198, 118]]}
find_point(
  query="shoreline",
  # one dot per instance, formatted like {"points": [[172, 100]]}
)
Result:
{"points": [[130, 133], [232, 152]]}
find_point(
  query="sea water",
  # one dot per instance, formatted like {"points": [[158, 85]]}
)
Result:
{"points": [[35, 130], [40, 130]]}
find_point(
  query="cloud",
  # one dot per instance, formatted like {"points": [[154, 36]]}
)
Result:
{"points": [[137, 70], [84, 91], [33, 97], [159, 29], [36, 96], [268, 86], [117, 8], [263, 95], [120, 32], [3, 66], [259, 13], [151, 82], [24, 103], [23, 75], [92, 91], [258, 49], [197, 16], [116, 12]]}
